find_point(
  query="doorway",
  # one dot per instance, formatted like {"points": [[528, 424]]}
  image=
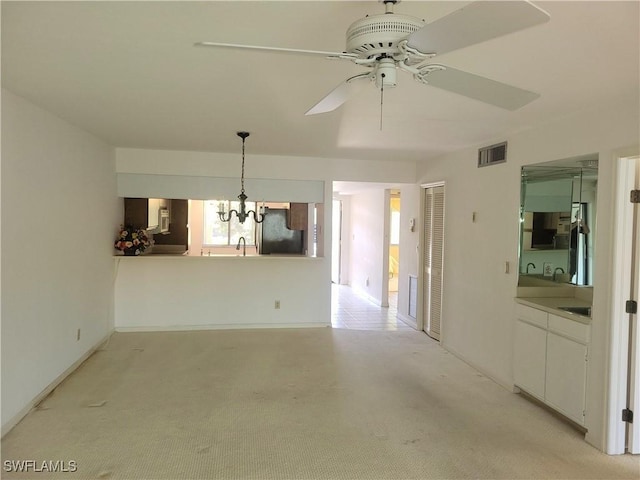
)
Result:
{"points": [[432, 259], [394, 242]]}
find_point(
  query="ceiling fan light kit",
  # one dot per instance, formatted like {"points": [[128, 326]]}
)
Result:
{"points": [[388, 42]]}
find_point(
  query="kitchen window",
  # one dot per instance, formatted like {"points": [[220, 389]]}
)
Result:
{"points": [[217, 233]]}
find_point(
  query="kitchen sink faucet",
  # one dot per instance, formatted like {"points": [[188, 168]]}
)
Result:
{"points": [[556, 271], [244, 246]]}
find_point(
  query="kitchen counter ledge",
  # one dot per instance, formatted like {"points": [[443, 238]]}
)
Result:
{"points": [[221, 256], [552, 304]]}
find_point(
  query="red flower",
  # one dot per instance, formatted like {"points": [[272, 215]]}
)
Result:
{"points": [[132, 238]]}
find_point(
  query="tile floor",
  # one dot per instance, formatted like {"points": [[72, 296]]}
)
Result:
{"points": [[352, 311]]}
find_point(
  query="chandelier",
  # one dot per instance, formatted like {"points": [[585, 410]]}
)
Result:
{"points": [[242, 214]]}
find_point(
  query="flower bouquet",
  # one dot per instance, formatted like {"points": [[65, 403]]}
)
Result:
{"points": [[132, 241]]}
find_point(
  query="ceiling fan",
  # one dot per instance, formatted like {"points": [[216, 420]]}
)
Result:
{"points": [[389, 42]]}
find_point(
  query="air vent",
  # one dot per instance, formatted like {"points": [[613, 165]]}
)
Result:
{"points": [[493, 154]]}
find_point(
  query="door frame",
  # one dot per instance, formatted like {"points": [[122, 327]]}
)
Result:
{"points": [[384, 294], [625, 177], [420, 320], [393, 193], [336, 240]]}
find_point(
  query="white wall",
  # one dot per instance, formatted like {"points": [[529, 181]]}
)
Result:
{"points": [[182, 293], [409, 261], [200, 167], [478, 306], [205, 188], [366, 243], [59, 216], [212, 164], [345, 246]]}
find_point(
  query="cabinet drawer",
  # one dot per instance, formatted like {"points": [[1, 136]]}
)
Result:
{"points": [[574, 330], [532, 315]]}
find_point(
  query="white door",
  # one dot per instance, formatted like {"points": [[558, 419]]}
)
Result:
{"points": [[432, 261], [336, 240], [633, 436], [625, 369]]}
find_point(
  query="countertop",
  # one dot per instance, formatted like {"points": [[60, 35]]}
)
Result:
{"points": [[551, 304], [235, 257]]}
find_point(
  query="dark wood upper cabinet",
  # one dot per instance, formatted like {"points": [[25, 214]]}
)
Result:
{"points": [[136, 213], [178, 231], [298, 216]]}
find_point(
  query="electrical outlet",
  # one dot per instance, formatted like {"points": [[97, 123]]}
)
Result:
{"points": [[78, 336], [277, 304]]}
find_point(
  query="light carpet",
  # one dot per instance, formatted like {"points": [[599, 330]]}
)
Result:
{"points": [[296, 404]]}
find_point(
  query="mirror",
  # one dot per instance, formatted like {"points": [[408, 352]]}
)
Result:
{"points": [[557, 222]]}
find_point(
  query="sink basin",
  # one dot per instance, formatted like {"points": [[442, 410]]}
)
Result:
{"points": [[586, 311]]}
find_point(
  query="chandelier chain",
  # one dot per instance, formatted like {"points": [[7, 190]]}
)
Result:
{"points": [[242, 174], [242, 214]]}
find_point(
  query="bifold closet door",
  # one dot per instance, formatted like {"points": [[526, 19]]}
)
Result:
{"points": [[433, 256]]}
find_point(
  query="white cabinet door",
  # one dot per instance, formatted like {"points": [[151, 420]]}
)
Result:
{"points": [[529, 357], [566, 376]]}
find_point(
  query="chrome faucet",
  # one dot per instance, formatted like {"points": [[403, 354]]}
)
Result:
{"points": [[556, 271], [530, 265], [244, 246]]}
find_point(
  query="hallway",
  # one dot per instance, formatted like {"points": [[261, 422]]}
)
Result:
{"points": [[355, 312]]}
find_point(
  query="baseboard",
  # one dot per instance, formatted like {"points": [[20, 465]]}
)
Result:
{"points": [[229, 326], [13, 421], [412, 322], [506, 385], [365, 294], [540, 403]]}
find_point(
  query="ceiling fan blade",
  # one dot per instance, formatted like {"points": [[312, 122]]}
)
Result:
{"points": [[480, 88], [344, 55], [339, 95], [475, 23]]}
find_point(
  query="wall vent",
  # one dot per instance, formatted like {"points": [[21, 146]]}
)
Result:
{"points": [[492, 154]]}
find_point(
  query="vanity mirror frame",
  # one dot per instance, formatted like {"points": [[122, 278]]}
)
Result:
{"points": [[558, 205]]}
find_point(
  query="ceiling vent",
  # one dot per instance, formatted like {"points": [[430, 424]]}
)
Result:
{"points": [[492, 154]]}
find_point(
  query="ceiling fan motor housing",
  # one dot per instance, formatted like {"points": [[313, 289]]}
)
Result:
{"points": [[377, 35]]}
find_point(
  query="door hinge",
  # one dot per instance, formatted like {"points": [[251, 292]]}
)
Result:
{"points": [[631, 306], [635, 196], [627, 415]]}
